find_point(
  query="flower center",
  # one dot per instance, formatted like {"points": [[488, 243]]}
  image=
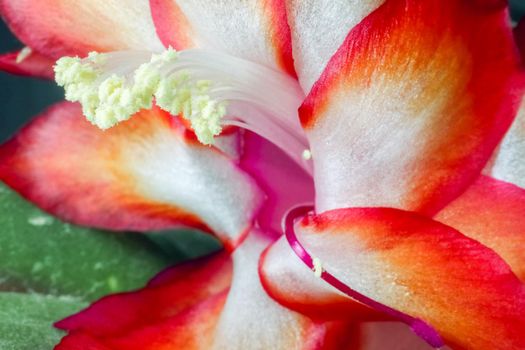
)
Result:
{"points": [[210, 89]]}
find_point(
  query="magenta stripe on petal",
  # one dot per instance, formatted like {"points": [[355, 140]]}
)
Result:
{"points": [[420, 327]]}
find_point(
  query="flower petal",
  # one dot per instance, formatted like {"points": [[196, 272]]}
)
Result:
{"points": [[34, 64], [493, 213], [318, 28], [189, 329], [249, 313], [411, 106], [68, 27], [421, 268], [182, 287], [388, 335], [254, 30], [244, 319], [507, 162], [179, 309], [80, 341], [143, 174], [290, 282]]}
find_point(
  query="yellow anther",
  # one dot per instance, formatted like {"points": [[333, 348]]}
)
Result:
{"points": [[107, 101], [168, 56], [307, 154], [318, 267]]}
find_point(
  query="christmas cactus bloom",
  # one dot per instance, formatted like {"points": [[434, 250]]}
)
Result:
{"points": [[361, 162]]}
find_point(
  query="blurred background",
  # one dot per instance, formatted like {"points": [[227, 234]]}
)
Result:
{"points": [[22, 98]]}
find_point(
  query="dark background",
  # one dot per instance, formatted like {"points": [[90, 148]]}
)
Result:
{"points": [[22, 98]]}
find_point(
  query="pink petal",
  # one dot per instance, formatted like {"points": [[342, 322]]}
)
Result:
{"points": [[493, 213], [285, 183]]}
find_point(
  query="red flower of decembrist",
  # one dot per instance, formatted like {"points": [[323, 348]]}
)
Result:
{"points": [[383, 134]]}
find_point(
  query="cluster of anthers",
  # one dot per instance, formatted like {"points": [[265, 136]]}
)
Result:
{"points": [[112, 87], [211, 89], [111, 92]]}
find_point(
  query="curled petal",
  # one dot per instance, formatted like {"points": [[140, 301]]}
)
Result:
{"points": [[254, 30], [285, 183], [419, 267], [289, 281], [493, 213], [411, 106], [28, 63], [68, 27], [144, 174]]}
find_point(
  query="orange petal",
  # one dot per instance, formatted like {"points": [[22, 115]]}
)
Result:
{"points": [[493, 213], [419, 267], [254, 30], [143, 174], [318, 28], [411, 106], [67, 27], [289, 281]]}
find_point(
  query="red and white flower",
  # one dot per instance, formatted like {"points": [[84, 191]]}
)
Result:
{"points": [[395, 113]]}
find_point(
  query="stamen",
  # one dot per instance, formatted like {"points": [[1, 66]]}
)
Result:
{"points": [[23, 54], [307, 154], [201, 86], [317, 267], [110, 98]]}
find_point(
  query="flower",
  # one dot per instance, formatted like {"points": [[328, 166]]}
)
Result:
{"points": [[417, 218]]}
